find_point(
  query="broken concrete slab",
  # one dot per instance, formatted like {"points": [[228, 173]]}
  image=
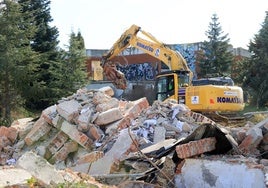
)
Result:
{"points": [[38, 167], [11, 176], [219, 173], [104, 164]]}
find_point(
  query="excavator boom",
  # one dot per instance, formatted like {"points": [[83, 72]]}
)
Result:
{"points": [[147, 43], [177, 82]]}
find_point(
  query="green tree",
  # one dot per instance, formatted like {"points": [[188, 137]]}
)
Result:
{"points": [[41, 91], [216, 59], [16, 55], [74, 67], [255, 77]]}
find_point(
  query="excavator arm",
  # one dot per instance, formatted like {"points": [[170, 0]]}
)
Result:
{"points": [[148, 44]]}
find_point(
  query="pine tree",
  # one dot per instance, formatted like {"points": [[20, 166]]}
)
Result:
{"points": [[216, 59], [41, 92], [74, 66], [16, 55], [255, 78]]}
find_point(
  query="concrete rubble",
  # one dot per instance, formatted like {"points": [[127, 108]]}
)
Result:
{"points": [[104, 141]]}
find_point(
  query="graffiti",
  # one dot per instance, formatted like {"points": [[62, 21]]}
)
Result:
{"points": [[188, 52], [138, 72], [146, 71]]}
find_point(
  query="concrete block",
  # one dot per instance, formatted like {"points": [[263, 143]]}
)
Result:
{"points": [[69, 109], [108, 116], [57, 121], [252, 140], [159, 134], [107, 90], [112, 103], [100, 97], [23, 126], [84, 118], [50, 113]]}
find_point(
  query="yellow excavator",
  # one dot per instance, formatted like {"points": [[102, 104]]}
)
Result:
{"points": [[177, 82]]}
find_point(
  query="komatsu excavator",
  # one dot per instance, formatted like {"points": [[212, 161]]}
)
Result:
{"points": [[176, 83]]}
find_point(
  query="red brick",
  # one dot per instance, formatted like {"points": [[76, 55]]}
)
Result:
{"points": [[76, 135], [194, 148], [57, 142], [123, 123], [179, 167], [10, 132], [138, 106], [90, 157], [40, 128], [63, 153], [94, 132], [4, 142]]}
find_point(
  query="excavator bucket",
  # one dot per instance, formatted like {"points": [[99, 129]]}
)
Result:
{"points": [[115, 76]]}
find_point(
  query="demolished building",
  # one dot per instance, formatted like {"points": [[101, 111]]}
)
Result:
{"points": [[122, 143]]}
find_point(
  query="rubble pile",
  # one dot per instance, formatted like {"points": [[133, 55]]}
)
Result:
{"points": [[94, 137]]}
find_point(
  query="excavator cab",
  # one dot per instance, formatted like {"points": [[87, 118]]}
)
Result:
{"points": [[171, 84]]}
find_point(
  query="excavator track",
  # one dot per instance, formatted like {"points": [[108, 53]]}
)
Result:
{"points": [[226, 118]]}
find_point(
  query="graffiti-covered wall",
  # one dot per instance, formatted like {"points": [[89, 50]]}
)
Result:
{"points": [[147, 71], [141, 67], [188, 51], [139, 72]]}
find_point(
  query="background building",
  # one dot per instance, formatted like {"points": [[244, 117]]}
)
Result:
{"points": [[139, 66]]}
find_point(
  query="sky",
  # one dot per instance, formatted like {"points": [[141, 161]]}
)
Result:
{"points": [[101, 22]]}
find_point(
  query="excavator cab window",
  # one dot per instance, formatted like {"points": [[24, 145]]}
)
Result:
{"points": [[183, 80], [165, 87]]}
